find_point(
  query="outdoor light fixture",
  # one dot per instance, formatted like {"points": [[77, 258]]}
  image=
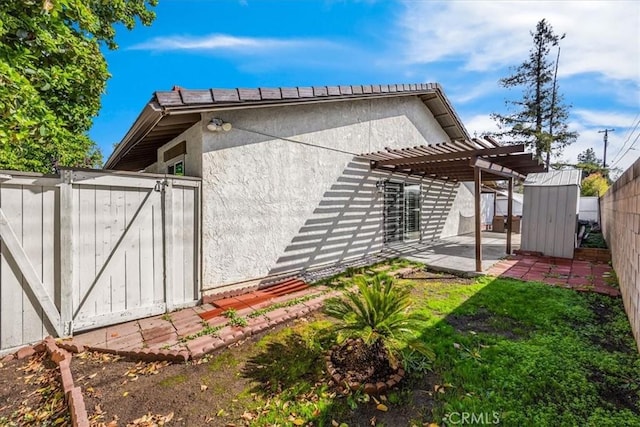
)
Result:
{"points": [[380, 186], [217, 125]]}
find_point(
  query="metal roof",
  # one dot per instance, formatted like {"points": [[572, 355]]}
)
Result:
{"points": [[559, 178], [169, 113], [455, 160]]}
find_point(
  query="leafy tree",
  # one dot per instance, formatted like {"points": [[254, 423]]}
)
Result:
{"points": [[588, 156], [52, 75], [589, 163], [539, 118], [594, 185]]}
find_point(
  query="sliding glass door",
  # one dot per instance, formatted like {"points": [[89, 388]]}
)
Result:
{"points": [[411, 212], [401, 211]]}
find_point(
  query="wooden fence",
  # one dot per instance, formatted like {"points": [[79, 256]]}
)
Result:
{"points": [[88, 248]]}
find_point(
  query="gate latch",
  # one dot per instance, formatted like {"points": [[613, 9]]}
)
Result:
{"points": [[160, 184]]}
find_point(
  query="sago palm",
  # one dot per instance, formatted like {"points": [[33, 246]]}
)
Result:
{"points": [[378, 314]]}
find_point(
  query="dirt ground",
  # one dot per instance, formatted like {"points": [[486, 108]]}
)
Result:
{"points": [[119, 392], [213, 391], [30, 393]]}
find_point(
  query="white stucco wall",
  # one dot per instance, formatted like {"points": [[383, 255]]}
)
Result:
{"points": [[272, 205], [462, 214]]}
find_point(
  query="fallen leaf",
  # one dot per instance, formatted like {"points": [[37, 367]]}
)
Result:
{"points": [[298, 421], [93, 375], [125, 394], [334, 423], [247, 416], [203, 387], [382, 407], [456, 346]]}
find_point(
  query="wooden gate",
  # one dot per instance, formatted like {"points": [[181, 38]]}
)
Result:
{"points": [[91, 248]]}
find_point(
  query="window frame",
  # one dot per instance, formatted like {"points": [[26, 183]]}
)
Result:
{"points": [[400, 232], [171, 166]]}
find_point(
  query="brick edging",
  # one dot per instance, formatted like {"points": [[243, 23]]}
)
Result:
{"points": [[210, 344], [62, 358], [60, 351]]}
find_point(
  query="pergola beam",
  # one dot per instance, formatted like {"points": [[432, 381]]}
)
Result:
{"points": [[495, 168], [507, 149]]}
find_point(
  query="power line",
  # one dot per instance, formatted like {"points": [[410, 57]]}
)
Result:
{"points": [[632, 129], [635, 141], [308, 144]]}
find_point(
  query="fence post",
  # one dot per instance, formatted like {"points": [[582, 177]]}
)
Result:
{"points": [[168, 242], [66, 252]]}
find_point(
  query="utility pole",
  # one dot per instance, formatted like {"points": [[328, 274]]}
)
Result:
{"points": [[606, 140]]}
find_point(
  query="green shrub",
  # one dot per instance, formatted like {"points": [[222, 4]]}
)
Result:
{"points": [[378, 313]]}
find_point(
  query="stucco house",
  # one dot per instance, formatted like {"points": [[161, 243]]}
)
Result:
{"points": [[284, 185]]}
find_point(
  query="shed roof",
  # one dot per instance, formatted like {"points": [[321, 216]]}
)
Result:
{"points": [[169, 113], [559, 178]]}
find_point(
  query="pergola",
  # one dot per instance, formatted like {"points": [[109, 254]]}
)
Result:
{"points": [[474, 160]]}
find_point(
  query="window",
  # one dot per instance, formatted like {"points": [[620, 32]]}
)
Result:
{"points": [[176, 168], [401, 211]]}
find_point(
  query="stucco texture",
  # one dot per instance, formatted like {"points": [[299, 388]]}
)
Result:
{"points": [[284, 189]]}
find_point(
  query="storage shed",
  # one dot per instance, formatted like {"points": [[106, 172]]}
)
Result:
{"points": [[550, 212]]}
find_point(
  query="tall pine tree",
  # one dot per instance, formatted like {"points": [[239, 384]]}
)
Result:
{"points": [[539, 118]]}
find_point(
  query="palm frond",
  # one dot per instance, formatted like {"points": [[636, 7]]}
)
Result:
{"points": [[378, 311]]}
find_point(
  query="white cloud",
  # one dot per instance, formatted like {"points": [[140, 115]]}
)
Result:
{"points": [[605, 118], [479, 124], [602, 36], [227, 43], [470, 92]]}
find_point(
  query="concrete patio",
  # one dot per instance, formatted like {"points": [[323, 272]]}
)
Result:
{"points": [[456, 254]]}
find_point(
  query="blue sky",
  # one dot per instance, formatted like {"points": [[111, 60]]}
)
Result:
{"points": [[466, 46]]}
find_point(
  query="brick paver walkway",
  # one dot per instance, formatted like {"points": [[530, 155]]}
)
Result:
{"points": [[579, 275], [191, 332]]}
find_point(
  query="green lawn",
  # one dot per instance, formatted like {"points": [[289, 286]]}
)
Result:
{"points": [[523, 354]]}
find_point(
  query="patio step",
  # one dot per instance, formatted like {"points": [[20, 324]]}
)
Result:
{"points": [[251, 299]]}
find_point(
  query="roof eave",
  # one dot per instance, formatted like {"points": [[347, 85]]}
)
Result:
{"points": [[144, 123], [168, 103]]}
